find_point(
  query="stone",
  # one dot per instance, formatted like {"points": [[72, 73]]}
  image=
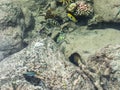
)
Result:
{"points": [[106, 13], [53, 71], [12, 28], [106, 62], [10, 14], [15, 23], [10, 41]]}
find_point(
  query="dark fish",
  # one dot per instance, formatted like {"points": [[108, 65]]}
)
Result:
{"points": [[32, 78], [76, 59]]}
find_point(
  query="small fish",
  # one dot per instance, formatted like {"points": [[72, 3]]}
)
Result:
{"points": [[76, 59], [33, 78], [117, 13], [71, 17], [30, 74]]}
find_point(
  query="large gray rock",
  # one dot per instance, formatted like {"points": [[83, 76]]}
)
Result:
{"points": [[44, 58], [10, 41], [106, 64], [89, 41], [52, 71], [107, 11], [13, 24], [10, 14]]}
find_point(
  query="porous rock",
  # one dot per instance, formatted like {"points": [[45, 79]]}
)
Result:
{"points": [[106, 64], [44, 58], [106, 11], [10, 14], [12, 27]]}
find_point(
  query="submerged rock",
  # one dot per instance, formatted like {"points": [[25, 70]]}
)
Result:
{"points": [[44, 58], [89, 41], [107, 12], [10, 14], [15, 22], [11, 28], [106, 64], [48, 69], [10, 41]]}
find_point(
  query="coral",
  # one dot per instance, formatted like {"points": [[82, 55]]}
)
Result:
{"points": [[83, 9], [80, 8]]}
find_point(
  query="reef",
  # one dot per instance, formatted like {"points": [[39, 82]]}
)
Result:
{"points": [[47, 45]]}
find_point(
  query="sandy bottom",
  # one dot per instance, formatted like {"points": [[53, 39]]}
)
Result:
{"points": [[87, 42]]}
